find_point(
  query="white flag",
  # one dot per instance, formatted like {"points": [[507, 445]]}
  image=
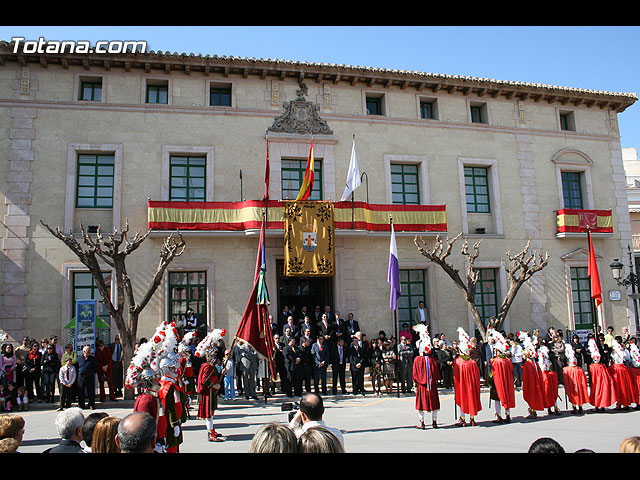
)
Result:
{"points": [[353, 177]]}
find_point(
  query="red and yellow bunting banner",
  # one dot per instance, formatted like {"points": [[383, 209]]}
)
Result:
{"points": [[239, 216], [576, 221]]}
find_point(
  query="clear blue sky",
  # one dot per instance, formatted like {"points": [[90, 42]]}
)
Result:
{"points": [[598, 58]]}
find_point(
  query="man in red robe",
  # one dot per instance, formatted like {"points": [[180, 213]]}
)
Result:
{"points": [[466, 381], [501, 377], [149, 402], [531, 385], [575, 382], [172, 402], [602, 393], [549, 381], [426, 375], [209, 378], [621, 377]]}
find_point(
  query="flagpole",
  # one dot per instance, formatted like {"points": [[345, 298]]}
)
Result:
{"points": [[352, 192], [593, 302], [395, 323]]}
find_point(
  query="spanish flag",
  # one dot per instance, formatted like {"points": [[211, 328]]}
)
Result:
{"points": [[307, 181]]}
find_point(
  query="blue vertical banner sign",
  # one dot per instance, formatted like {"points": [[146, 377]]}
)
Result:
{"points": [[86, 319]]}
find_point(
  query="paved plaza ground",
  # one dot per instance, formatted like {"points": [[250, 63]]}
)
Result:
{"points": [[381, 424]]}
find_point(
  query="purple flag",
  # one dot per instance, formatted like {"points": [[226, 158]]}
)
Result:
{"points": [[394, 272]]}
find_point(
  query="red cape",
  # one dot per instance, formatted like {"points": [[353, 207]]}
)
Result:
{"points": [[575, 385], [622, 384], [602, 392], [502, 370], [146, 402], [532, 385], [466, 378], [635, 383], [426, 378], [549, 388]]}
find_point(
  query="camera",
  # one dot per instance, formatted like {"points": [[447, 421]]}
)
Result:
{"points": [[291, 407]]}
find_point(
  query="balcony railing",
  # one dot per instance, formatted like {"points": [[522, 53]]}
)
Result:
{"points": [[247, 215], [633, 181], [574, 221], [635, 242]]}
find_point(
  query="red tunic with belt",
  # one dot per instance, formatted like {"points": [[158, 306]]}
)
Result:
{"points": [[602, 392], [549, 388], [426, 373], [208, 396], [532, 385], [466, 378], [622, 384], [575, 385], [502, 371]]}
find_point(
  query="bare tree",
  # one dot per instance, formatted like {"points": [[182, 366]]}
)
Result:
{"points": [[519, 268], [113, 250]]}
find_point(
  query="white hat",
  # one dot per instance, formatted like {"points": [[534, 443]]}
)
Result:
{"points": [[635, 355], [593, 350], [424, 342], [617, 352], [500, 342], [572, 361], [463, 341], [208, 345], [543, 358]]}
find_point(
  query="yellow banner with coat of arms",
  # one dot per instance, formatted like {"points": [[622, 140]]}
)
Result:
{"points": [[309, 239]]}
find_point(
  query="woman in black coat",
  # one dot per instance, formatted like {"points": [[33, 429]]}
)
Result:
{"points": [[32, 371], [50, 366]]}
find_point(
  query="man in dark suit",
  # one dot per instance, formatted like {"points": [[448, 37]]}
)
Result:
{"points": [[357, 360], [339, 367], [69, 424], [320, 352], [325, 328], [118, 372], [351, 326], [273, 323], [282, 318], [86, 381], [307, 362], [308, 324], [338, 330], [293, 365]]}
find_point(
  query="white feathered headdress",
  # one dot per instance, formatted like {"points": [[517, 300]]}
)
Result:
{"points": [[527, 344], [635, 355], [146, 362], [593, 350], [544, 361], [4, 336], [617, 352], [570, 353], [208, 345], [424, 342], [500, 343], [463, 341]]}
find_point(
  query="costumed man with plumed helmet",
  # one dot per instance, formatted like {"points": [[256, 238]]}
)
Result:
{"points": [[143, 373], [501, 378], [602, 393], [210, 379], [466, 380], [171, 395], [575, 381], [621, 378], [549, 381], [426, 375], [531, 376]]}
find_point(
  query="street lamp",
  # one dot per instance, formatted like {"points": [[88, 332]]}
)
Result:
{"points": [[631, 280]]}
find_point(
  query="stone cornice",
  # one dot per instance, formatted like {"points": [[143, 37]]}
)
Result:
{"points": [[424, 83]]}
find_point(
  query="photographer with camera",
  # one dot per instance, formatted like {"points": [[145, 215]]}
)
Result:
{"points": [[310, 415]]}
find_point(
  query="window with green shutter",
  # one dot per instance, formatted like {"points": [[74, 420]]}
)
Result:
{"points": [[158, 94], [583, 313], [220, 96], [187, 181], [572, 190], [91, 91], [94, 188], [292, 175], [405, 187], [486, 298], [476, 184], [188, 290], [412, 291]]}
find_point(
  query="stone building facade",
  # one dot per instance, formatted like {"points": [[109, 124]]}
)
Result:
{"points": [[93, 138]]}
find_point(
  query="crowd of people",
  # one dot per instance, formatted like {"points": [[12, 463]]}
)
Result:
{"points": [[34, 370], [175, 369]]}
